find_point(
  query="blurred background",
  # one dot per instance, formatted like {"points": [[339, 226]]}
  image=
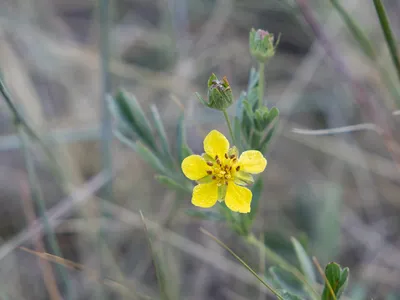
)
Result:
{"points": [[339, 192]]}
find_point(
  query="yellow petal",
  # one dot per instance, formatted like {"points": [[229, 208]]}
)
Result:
{"points": [[216, 143], [238, 198], [252, 161], [205, 195], [194, 167]]}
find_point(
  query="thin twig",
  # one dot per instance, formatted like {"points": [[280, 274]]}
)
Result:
{"points": [[315, 260], [92, 274], [344, 129], [242, 262], [39, 201], [48, 274], [360, 96]]}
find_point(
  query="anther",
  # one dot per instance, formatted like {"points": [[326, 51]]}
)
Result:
{"points": [[226, 182], [210, 163], [209, 172], [237, 168], [214, 177], [218, 161], [232, 156], [226, 156], [216, 156]]}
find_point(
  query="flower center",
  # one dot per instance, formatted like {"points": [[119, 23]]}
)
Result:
{"points": [[223, 169]]}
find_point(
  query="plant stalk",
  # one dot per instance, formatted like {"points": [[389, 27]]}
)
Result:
{"points": [[389, 36], [261, 78], [228, 122]]}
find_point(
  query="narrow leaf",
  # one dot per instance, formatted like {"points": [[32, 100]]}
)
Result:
{"points": [[131, 111], [145, 153], [242, 262], [286, 280], [168, 181], [183, 148], [161, 131], [305, 261]]}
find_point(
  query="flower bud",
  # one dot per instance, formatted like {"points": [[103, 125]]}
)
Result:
{"points": [[219, 93], [262, 44]]}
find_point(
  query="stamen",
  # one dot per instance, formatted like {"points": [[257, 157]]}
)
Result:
{"points": [[209, 172], [218, 161], [234, 159], [216, 156], [232, 156], [214, 177], [226, 156], [226, 182], [237, 168], [210, 163]]}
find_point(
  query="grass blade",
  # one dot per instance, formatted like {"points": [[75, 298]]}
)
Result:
{"points": [[355, 30], [159, 274], [242, 262], [389, 36]]}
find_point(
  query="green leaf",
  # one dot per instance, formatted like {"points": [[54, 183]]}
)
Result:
{"points": [[253, 80], [273, 113], [170, 182], [286, 280], [183, 148], [305, 261], [205, 215], [146, 154], [131, 112], [337, 279], [161, 131], [344, 279], [265, 142], [288, 296]]}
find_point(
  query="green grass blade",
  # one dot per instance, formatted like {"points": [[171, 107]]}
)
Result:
{"points": [[355, 30], [389, 36], [242, 262]]}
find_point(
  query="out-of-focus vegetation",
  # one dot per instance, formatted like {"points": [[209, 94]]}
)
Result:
{"points": [[70, 189]]}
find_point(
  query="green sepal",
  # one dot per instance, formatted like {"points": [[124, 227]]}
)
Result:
{"points": [[208, 157], [219, 93], [222, 192], [243, 178], [206, 179]]}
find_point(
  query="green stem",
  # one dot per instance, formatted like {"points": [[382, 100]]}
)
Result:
{"points": [[39, 202], [228, 122], [389, 36], [261, 67], [281, 262], [355, 30]]}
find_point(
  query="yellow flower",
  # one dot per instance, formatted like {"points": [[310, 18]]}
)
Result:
{"points": [[222, 173]]}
